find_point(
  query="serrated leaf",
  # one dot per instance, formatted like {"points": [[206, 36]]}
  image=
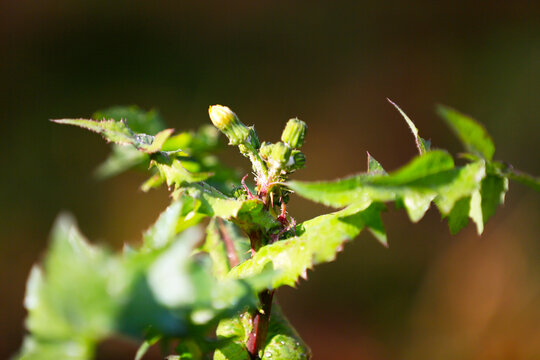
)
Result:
{"points": [[119, 133], [422, 145], [318, 241], [147, 122], [124, 158], [471, 133], [427, 178], [410, 184], [176, 174]]}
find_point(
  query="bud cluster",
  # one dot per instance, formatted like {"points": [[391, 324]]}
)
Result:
{"points": [[271, 161]]}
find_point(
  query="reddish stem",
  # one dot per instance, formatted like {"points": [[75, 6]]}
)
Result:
{"points": [[261, 320], [229, 244]]}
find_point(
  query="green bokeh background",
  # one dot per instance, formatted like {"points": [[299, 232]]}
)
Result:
{"points": [[332, 64]]}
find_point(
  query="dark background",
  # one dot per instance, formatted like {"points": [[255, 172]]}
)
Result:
{"points": [[331, 63]]}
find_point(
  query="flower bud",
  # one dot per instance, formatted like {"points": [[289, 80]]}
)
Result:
{"points": [[228, 123], [266, 150], [280, 155], [294, 133], [298, 159]]}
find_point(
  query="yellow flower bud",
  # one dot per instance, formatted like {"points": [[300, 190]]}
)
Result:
{"points": [[228, 123]]}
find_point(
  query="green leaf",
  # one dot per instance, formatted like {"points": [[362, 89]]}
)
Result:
{"points": [[148, 122], [120, 133], [422, 145], [475, 212], [249, 215], [124, 158], [427, 178], [84, 293], [174, 173], [318, 241], [459, 216], [456, 184], [282, 341], [493, 190], [415, 183], [471, 133], [165, 228], [58, 308]]}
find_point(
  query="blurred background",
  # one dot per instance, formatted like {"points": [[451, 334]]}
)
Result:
{"points": [[332, 64]]}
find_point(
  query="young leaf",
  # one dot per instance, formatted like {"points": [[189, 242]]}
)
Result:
{"points": [[174, 173], [318, 241], [138, 120], [422, 145], [473, 135], [249, 215], [119, 133]]}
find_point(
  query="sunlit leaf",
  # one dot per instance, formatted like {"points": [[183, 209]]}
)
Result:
{"points": [[318, 241], [471, 133], [119, 133]]}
